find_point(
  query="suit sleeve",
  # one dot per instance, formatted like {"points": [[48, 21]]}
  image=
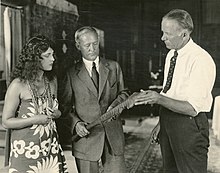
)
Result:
{"points": [[123, 92], [66, 102]]}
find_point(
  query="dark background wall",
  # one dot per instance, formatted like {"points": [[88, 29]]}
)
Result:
{"points": [[135, 25]]}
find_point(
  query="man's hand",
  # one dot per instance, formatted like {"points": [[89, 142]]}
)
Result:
{"points": [[81, 129], [147, 97], [132, 99]]}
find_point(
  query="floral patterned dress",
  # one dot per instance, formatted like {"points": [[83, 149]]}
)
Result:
{"points": [[36, 149]]}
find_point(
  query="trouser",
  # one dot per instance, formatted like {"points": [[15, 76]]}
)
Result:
{"points": [[184, 142], [110, 162]]}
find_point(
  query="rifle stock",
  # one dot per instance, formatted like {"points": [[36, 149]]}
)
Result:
{"points": [[113, 113], [96, 122]]}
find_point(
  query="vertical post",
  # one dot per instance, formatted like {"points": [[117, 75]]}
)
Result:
{"points": [[7, 146], [7, 37]]}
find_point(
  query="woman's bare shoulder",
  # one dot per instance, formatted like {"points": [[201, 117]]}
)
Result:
{"points": [[17, 84]]}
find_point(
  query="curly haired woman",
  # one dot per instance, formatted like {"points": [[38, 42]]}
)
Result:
{"points": [[30, 109]]}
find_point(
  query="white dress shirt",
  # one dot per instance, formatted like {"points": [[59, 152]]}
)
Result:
{"points": [[88, 65], [193, 77]]}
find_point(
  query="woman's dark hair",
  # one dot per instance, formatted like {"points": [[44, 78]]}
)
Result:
{"points": [[29, 60]]}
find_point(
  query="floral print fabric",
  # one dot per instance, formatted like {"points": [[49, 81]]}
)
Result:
{"points": [[36, 149]]}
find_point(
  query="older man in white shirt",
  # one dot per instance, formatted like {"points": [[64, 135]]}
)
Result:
{"points": [[189, 77]]}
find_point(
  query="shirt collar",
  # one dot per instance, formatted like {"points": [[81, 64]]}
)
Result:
{"points": [[89, 63], [186, 47]]}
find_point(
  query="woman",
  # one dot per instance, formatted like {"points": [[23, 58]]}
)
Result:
{"points": [[30, 109]]}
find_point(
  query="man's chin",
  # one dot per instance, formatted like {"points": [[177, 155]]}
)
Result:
{"points": [[93, 57], [168, 46], [48, 69]]}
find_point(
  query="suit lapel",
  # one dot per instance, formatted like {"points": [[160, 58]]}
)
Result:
{"points": [[103, 75], [85, 78]]}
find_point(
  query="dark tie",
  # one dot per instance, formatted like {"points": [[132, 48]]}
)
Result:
{"points": [[170, 73], [95, 76]]}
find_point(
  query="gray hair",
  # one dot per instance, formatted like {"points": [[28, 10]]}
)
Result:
{"points": [[182, 17], [83, 30]]}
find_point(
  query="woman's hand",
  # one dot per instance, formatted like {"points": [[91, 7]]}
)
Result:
{"points": [[53, 113], [41, 119]]}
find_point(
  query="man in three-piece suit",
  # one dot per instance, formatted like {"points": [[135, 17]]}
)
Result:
{"points": [[93, 86]]}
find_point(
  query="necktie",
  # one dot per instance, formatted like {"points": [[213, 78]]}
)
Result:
{"points": [[95, 76], [170, 73]]}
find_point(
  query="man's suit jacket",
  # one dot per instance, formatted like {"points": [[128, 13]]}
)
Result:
{"points": [[82, 102]]}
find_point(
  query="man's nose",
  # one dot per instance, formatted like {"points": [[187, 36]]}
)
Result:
{"points": [[163, 37], [91, 47]]}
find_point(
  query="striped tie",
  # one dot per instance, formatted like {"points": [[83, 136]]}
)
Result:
{"points": [[170, 73]]}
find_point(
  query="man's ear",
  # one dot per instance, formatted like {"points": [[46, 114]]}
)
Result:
{"points": [[77, 46], [185, 33]]}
